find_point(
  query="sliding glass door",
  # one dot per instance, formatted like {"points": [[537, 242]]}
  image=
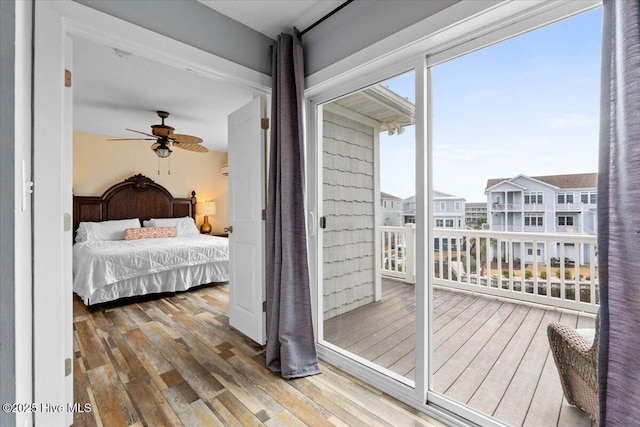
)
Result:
{"points": [[368, 220], [457, 219]]}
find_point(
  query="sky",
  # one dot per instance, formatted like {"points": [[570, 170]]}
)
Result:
{"points": [[528, 105]]}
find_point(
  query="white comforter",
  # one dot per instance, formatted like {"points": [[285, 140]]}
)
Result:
{"points": [[102, 263]]}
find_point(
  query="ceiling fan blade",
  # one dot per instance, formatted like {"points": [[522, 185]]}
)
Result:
{"points": [[191, 147], [143, 133], [132, 139], [154, 146], [185, 139]]}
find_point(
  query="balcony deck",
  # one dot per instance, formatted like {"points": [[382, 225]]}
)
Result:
{"points": [[488, 353]]}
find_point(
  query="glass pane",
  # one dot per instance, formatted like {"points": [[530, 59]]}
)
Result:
{"points": [[368, 243], [515, 125]]}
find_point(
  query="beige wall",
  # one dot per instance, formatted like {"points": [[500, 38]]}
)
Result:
{"points": [[98, 164]]}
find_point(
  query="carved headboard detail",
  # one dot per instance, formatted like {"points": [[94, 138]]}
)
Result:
{"points": [[135, 197]]}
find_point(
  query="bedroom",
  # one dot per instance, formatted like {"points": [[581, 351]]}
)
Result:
{"points": [[114, 90]]}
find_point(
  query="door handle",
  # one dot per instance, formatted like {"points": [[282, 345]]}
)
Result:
{"points": [[228, 229]]}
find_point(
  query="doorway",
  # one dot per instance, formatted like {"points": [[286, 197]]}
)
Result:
{"points": [[53, 176]]}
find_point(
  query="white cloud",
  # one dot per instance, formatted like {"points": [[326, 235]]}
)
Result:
{"points": [[571, 120]]}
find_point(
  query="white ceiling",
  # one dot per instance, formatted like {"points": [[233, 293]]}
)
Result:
{"points": [[274, 16], [115, 90]]}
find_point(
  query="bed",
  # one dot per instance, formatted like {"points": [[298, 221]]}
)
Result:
{"points": [[166, 256]]}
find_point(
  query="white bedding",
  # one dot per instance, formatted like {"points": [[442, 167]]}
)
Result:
{"points": [[108, 270]]}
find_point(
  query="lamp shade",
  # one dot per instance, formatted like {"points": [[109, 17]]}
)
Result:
{"points": [[162, 151], [206, 208]]}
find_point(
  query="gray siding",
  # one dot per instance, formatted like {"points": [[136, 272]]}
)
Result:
{"points": [[349, 203], [197, 25], [361, 24]]}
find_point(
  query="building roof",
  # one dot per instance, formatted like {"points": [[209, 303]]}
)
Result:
{"points": [[576, 180], [384, 195], [380, 104], [471, 205]]}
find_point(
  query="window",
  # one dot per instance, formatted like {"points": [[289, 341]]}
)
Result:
{"points": [[443, 206], [529, 251], [449, 223], [565, 198], [565, 220], [588, 197], [439, 223], [533, 197], [456, 205], [533, 220]]}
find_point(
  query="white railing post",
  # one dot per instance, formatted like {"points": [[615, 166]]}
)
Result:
{"points": [[410, 253]]}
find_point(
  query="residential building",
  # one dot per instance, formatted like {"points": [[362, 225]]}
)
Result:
{"points": [[391, 207], [544, 204], [475, 214], [448, 210]]}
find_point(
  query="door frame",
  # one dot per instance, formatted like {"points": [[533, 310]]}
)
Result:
{"points": [[466, 26], [53, 168]]}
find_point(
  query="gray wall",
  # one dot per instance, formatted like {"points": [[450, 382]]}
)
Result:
{"points": [[360, 24], [349, 204], [197, 25], [7, 216]]}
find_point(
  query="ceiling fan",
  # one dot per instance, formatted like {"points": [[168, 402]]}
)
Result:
{"points": [[164, 137]]}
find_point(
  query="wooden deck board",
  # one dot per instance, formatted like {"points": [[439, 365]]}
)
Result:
{"points": [[489, 353]]}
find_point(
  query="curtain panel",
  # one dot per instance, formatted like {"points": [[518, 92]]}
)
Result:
{"points": [[619, 215], [290, 339]]}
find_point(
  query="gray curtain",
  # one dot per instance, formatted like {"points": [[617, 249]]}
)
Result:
{"points": [[619, 216], [290, 340]]}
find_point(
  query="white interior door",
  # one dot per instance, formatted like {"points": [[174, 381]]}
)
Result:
{"points": [[246, 227]]}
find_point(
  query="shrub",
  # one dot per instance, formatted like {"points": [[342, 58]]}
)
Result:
{"points": [[528, 274], [543, 275], [567, 274], [505, 273]]}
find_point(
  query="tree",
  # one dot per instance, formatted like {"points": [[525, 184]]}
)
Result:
{"points": [[483, 250], [480, 222]]}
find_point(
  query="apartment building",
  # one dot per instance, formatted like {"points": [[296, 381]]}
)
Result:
{"points": [[544, 204], [391, 209], [474, 214], [448, 210]]}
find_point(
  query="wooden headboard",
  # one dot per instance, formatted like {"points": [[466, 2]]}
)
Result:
{"points": [[135, 197]]}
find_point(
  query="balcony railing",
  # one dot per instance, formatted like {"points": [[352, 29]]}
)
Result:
{"points": [[570, 207], [535, 206], [545, 268], [506, 227], [568, 229]]}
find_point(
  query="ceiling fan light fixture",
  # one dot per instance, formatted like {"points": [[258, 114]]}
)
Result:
{"points": [[162, 151]]}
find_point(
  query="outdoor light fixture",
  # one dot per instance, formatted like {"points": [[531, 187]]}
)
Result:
{"points": [[393, 127]]}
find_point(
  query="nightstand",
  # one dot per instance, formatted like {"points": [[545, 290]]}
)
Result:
{"points": [[220, 235]]}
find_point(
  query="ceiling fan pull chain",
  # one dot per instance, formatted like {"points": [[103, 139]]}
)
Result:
{"points": [[169, 166], [158, 165]]}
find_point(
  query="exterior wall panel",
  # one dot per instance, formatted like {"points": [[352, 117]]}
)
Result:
{"points": [[349, 204]]}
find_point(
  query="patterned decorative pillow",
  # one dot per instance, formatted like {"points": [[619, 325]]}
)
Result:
{"points": [[149, 233]]}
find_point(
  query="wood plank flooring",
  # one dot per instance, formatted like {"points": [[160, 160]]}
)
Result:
{"points": [[490, 354], [174, 361]]}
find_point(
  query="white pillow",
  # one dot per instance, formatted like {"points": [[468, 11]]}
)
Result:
{"points": [[105, 230], [186, 225]]}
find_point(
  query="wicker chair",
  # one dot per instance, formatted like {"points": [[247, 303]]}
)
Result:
{"points": [[577, 362]]}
